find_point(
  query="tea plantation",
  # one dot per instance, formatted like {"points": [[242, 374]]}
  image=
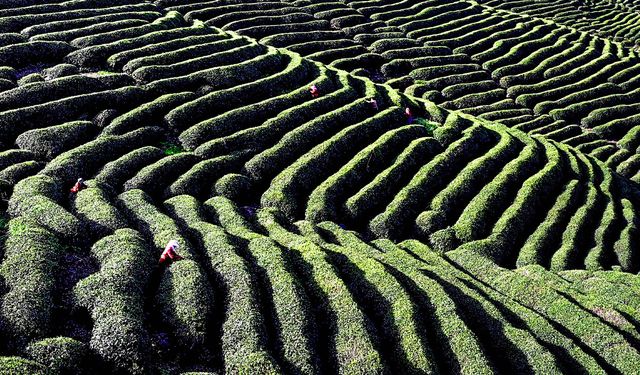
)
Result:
{"points": [[356, 187]]}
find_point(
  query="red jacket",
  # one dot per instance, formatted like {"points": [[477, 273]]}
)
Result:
{"points": [[314, 91], [77, 187], [169, 256]]}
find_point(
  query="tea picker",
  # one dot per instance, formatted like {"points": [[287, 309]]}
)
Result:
{"points": [[78, 186], [315, 92], [374, 103], [408, 114], [169, 254]]}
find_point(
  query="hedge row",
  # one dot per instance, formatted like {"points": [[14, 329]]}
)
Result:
{"points": [[188, 51], [540, 245], [340, 54], [77, 37], [18, 365], [299, 178], [504, 43], [373, 197], [115, 297], [47, 143], [243, 333], [326, 202], [400, 66], [209, 12], [574, 94], [520, 44], [385, 298], [259, 32], [170, 20], [556, 85], [542, 51], [183, 298], [59, 71], [451, 200], [257, 107], [156, 177], [576, 111], [475, 99], [221, 77], [64, 110], [94, 208], [629, 235], [226, 18], [299, 140], [88, 158], [464, 35], [97, 55], [198, 36], [116, 172], [441, 82], [529, 324], [600, 257], [148, 113], [417, 194], [294, 38], [217, 102], [47, 91], [313, 46], [348, 341], [475, 220], [36, 198], [251, 21], [269, 132], [537, 73], [466, 31], [14, 156], [225, 52], [199, 181], [512, 225], [19, 171], [61, 355], [228, 215], [69, 25], [32, 261], [415, 52], [456, 347], [7, 39], [614, 352], [502, 337], [37, 52], [52, 12], [598, 119], [581, 226]]}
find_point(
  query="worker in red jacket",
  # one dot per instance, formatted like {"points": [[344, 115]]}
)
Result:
{"points": [[169, 254], [78, 186], [314, 91], [408, 114]]}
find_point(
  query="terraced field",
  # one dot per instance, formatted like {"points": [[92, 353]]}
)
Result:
{"points": [[357, 187]]}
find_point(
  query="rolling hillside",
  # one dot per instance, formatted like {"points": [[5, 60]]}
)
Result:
{"points": [[357, 187]]}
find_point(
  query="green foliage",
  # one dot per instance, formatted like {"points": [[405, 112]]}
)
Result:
{"points": [[430, 126], [183, 299], [114, 296], [30, 267], [18, 366], [171, 148], [61, 355], [212, 111]]}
